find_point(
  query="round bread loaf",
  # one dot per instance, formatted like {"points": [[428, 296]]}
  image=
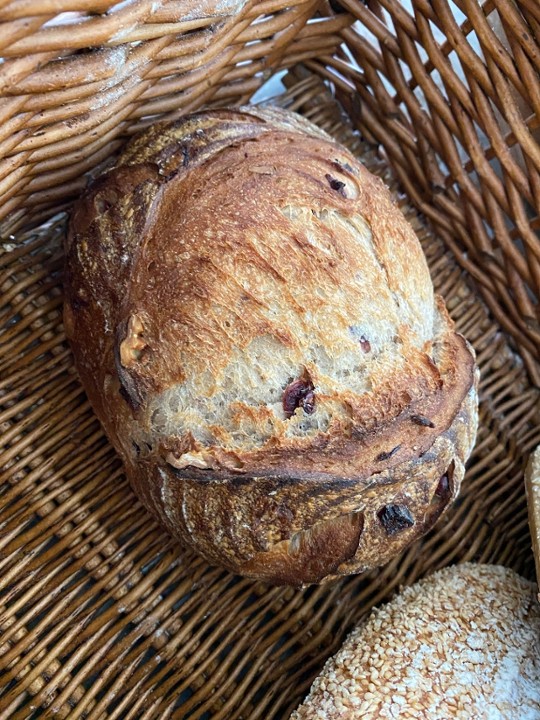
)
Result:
{"points": [[255, 326], [461, 644]]}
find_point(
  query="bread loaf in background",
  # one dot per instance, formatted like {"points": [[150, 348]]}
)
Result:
{"points": [[255, 326], [532, 488], [462, 644]]}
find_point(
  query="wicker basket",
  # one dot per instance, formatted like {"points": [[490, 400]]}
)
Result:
{"points": [[101, 615]]}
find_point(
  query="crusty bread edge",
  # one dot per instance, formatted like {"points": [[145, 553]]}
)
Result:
{"points": [[532, 488], [297, 531]]}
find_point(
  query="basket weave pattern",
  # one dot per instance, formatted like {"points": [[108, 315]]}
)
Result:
{"points": [[101, 615], [79, 77], [456, 107]]}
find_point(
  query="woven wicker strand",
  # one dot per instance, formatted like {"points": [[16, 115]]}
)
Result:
{"points": [[101, 615], [456, 107], [61, 115], [461, 130]]}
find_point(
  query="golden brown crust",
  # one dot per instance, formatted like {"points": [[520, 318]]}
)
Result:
{"points": [[232, 226], [274, 527]]}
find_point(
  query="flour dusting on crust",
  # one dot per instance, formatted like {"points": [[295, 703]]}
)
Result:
{"points": [[462, 644]]}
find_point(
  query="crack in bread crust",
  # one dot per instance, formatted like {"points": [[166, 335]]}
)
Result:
{"points": [[248, 523], [227, 258]]}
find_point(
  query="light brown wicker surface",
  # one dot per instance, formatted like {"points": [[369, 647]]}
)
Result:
{"points": [[101, 616], [76, 83]]}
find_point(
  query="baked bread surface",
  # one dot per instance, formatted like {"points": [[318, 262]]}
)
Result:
{"points": [[460, 644], [532, 488], [255, 326]]}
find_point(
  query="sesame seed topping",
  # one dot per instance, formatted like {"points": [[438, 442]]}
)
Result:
{"points": [[462, 643]]}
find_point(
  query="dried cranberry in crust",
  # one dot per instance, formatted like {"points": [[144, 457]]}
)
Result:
{"points": [[443, 488], [337, 185], [395, 518], [299, 394], [308, 403], [387, 455], [422, 420], [365, 344]]}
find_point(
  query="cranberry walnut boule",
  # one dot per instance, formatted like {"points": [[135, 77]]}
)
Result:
{"points": [[255, 326]]}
